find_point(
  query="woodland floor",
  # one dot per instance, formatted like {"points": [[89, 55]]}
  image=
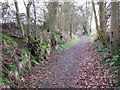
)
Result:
{"points": [[77, 67]]}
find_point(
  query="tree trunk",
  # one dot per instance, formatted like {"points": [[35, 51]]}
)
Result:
{"points": [[18, 18], [102, 23], [90, 30], [33, 43], [114, 38], [85, 31], [52, 16], [96, 21], [35, 17], [71, 28], [28, 19]]}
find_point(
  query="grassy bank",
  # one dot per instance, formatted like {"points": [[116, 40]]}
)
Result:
{"points": [[69, 44]]}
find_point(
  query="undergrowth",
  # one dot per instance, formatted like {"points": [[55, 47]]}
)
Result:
{"points": [[111, 63], [17, 61]]}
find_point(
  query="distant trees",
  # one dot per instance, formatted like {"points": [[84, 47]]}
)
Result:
{"points": [[68, 10], [67, 18], [52, 18], [86, 13], [57, 17], [64, 17]]}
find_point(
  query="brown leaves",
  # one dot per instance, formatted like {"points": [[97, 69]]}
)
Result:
{"points": [[77, 67]]}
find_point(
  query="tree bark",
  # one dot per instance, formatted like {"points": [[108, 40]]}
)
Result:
{"points": [[52, 16], [96, 21], [102, 23], [114, 38], [85, 31], [90, 30], [18, 18], [35, 17], [28, 18], [71, 28]]}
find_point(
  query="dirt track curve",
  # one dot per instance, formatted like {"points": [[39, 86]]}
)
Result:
{"points": [[77, 67]]}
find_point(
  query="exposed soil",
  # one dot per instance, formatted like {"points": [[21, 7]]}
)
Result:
{"points": [[77, 67]]}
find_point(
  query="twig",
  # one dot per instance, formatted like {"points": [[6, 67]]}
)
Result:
{"points": [[13, 53], [4, 67]]}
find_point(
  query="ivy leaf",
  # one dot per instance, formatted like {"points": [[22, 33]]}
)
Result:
{"points": [[14, 43], [35, 62], [14, 67]]}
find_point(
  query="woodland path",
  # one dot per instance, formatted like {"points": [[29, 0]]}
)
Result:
{"points": [[77, 67]]}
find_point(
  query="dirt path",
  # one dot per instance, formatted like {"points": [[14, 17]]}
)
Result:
{"points": [[77, 67]]}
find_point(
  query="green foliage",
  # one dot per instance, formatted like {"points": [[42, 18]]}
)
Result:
{"points": [[41, 58], [23, 61], [26, 58], [25, 40], [12, 67], [26, 51], [32, 59], [8, 39], [59, 37], [64, 46], [14, 43], [21, 73], [14, 64], [100, 47], [43, 68], [44, 48], [112, 63], [67, 45], [6, 59], [5, 81], [6, 48], [35, 62], [45, 32], [108, 29], [33, 35]]}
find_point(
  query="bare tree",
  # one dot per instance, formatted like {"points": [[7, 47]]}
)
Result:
{"points": [[96, 20], [34, 16], [28, 18], [18, 18]]}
